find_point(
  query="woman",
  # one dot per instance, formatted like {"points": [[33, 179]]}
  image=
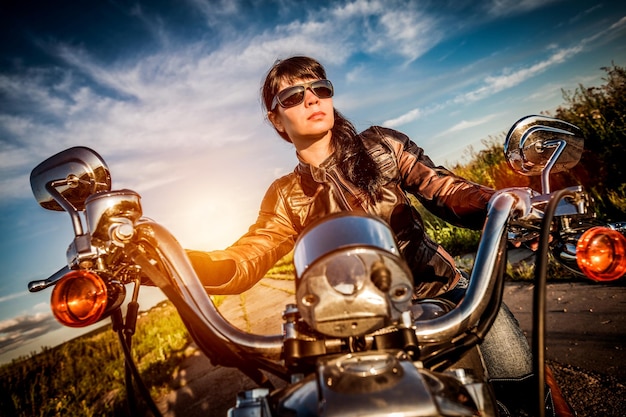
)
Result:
{"points": [[342, 170]]}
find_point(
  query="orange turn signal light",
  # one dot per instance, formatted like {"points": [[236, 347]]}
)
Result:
{"points": [[601, 254], [79, 299]]}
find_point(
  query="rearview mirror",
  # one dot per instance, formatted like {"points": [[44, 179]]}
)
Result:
{"points": [[541, 145], [70, 176]]}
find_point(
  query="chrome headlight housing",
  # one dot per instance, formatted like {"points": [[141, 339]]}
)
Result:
{"points": [[350, 277]]}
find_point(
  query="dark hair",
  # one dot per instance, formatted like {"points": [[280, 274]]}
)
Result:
{"points": [[352, 158]]}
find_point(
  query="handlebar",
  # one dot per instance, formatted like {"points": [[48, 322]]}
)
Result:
{"points": [[215, 327], [188, 293]]}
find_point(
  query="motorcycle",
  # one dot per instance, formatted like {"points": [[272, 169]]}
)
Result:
{"points": [[353, 342]]}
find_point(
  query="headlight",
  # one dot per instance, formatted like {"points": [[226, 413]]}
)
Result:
{"points": [[350, 277]]}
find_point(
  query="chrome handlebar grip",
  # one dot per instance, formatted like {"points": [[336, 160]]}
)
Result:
{"points": [[35, 286]]}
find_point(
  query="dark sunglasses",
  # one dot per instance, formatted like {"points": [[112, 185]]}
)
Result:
{"points": [[294, 95]]}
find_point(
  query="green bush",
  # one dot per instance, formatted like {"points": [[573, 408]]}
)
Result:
{"points": [[601, 114], [457, 241]]}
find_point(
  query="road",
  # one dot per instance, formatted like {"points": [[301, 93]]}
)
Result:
{"points": [[585, 329], [585, 332], [585, 323]]}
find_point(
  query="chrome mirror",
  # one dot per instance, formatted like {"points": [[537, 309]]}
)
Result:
{"points": [[540, 145], [70, 176]]}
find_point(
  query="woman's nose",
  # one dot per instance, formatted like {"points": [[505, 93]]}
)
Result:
{"points": [[310, 98]]}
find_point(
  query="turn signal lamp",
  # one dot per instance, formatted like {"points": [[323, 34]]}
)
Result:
{"points": [[601, 254], [82, 298]]}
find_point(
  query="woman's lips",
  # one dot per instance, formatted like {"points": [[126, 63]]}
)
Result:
{"points": [[317, 115]]}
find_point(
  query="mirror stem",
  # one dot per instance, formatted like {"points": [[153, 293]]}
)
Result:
{"points": [[66, 205], [545, 174]]}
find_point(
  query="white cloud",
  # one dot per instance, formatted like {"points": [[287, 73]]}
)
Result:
{"points": [[389, 28], [508, 78], [495, 84], [216, 12], [407, 117], [16, 331], [409, 32], [468, 124], [499, 8], [153, 25], [357, 9], [10, 297]]}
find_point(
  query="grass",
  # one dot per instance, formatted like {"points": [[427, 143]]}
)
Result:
{"points": [[85, 376]]}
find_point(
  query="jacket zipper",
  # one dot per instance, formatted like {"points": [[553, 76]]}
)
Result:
{"points": [[340, 185]]}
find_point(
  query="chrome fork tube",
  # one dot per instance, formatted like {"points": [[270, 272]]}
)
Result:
{"points": [[482, 280]]}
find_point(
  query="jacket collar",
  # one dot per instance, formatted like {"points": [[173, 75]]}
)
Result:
{"points": [[318, 173]]}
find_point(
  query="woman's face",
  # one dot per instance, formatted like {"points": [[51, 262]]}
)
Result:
{"points": [[308, 121]]}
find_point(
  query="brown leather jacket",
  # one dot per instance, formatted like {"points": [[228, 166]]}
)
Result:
{"points": [[309, 193]]}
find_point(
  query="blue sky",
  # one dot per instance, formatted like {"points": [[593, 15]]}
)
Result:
{"points": [[167, 93]]}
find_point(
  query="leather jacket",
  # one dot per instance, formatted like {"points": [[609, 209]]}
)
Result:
{"points": [[309, 193]]}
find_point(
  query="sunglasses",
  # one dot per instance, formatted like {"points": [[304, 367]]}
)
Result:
{"points": [[294, 95]]}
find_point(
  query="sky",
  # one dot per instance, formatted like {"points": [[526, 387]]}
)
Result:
{"points": [[167, 92]]}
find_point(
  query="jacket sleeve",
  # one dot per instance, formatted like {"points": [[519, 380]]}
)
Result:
{"points": [[454, 199], [240, 266]]}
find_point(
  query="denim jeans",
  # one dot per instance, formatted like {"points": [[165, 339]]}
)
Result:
{"points": [[507, 357], [505, 349]]}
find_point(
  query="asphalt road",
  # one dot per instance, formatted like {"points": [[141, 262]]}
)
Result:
{"points": [[585, 323], [585, 329], [585, 341]]}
